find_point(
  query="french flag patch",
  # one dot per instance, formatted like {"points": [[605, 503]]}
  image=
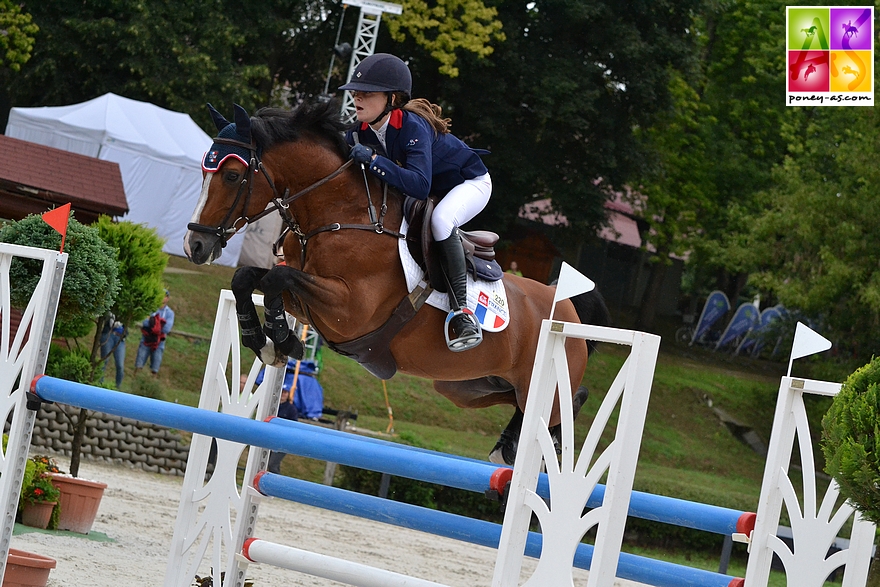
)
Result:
{"points": [[489, 312]]}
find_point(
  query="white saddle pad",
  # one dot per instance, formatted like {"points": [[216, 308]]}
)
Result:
{"points": [[486, 299]]}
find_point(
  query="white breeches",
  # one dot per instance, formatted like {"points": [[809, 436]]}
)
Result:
{"points": [[462, 203]]}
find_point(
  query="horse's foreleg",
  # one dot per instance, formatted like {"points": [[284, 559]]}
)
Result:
{"points": [[273, 284], [244, 282]]}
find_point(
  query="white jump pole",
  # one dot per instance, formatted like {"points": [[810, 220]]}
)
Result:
{"points": [[327, 567]]}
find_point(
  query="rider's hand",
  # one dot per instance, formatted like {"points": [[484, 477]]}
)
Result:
{"points": [[361, 153]]}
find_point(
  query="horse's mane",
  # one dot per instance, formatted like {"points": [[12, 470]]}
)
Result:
{"points": [[276, 125]]}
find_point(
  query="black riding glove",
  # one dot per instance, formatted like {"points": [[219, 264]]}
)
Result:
{"points": [[361, 154]]}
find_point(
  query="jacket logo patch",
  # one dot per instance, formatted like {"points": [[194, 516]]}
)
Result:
{"points": [[412, 142]]}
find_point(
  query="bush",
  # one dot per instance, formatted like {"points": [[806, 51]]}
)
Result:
{"points": [[851, 440], [73, 365]]}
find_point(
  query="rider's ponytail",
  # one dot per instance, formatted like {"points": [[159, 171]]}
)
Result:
{"points": [[430, 112]]}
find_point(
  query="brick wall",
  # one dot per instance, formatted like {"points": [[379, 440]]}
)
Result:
{"points": [[114, 439]]}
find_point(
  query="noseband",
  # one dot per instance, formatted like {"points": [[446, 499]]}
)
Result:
{"points": [[282, 204]]}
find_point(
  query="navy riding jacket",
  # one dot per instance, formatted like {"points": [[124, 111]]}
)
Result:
{"points": [[419, 161]]}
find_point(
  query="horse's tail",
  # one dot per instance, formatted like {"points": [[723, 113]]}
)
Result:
{"points": [[591, 309]]}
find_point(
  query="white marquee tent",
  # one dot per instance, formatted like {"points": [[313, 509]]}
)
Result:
{"points": [[159, 153]]}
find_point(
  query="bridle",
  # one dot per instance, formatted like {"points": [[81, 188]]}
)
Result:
{"points": [[281, 204]]}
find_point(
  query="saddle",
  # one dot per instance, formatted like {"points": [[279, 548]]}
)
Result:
{"points": [[372, 350], [478, 245]]}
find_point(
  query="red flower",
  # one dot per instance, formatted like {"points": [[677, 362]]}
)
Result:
{"points": [[38, 492]]}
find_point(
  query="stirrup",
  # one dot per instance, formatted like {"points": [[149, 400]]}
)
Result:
{"points": [[462, 343]]}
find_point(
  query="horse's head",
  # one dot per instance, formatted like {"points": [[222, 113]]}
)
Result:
{"points": [[237, 186], [229, 168]]}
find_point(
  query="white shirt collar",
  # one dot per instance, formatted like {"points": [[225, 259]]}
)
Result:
{"points": [[380, 133]]}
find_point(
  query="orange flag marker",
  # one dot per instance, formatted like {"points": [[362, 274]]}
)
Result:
{"points": [[58, 219]]}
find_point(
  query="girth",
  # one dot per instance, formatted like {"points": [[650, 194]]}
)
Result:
{"points": [[373, 350]]}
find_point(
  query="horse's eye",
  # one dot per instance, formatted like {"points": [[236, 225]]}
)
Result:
{"points": [[231, 176]]}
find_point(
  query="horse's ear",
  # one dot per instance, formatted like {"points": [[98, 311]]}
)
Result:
{"points": [[242, 122], [219, 121]]}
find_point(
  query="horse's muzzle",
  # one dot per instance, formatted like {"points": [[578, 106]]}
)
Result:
{"points": [[202, 248]]}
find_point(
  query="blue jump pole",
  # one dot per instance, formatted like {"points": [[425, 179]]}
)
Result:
{"points": [[372, 454], [632, 567], [647, 506], [338, 448]]}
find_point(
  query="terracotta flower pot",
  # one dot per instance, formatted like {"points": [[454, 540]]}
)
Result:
{"points": [[80, 499], [27, 569], [37, 515]]}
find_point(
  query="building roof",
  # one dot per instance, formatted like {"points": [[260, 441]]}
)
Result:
{"points": [[622, 228], [51, 176]]}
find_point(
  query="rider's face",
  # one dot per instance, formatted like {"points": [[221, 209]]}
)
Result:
{"points": [[369, 105]]}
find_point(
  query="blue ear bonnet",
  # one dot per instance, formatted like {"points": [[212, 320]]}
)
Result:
{"points": [[218, 152], [240, 131]]}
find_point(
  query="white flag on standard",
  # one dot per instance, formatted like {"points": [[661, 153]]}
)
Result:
{"points": [[806, 342], [571, 283]]}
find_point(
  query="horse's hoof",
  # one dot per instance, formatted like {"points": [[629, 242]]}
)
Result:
{"points": [[556, 437], [504, 452], [270, 355], [579, 399]]}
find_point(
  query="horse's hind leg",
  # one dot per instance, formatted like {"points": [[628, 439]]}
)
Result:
{"points": [[484, 392], [577, 402], [504, 452]]}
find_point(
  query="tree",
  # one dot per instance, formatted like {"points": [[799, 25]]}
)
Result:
{"points": [[713, 153], [812, 244], [17, 31], [678, 191], [446, 27], [743, 64], [170, 54], [559, 99], [141, 265], [90, 287]]}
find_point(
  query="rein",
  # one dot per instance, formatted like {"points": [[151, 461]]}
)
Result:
{"points": [[282, 205]]}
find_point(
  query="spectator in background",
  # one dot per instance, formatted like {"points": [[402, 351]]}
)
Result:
{"points": [[514, 268], [153, 332], [113, 343]]}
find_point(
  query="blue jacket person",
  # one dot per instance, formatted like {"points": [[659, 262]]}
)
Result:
{"points": [[406, 142]]}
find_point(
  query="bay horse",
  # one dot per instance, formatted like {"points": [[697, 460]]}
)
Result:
{"points": [[343, 275]]}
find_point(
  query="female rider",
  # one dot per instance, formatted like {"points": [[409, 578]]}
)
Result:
{"points": [[407, 144]]}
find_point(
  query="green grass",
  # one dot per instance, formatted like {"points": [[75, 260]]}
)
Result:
{"points": [[686, 452]]}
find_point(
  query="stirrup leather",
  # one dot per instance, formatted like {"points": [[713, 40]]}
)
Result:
{"points": [[465, 342]]}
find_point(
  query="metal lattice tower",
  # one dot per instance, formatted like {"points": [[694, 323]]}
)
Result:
{"points": [[365, 41]]}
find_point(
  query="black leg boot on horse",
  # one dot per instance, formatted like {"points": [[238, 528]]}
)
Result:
{"points": [[465, 329], [504, 452], [272, 342]]}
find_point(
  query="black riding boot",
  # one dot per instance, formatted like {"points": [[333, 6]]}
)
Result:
{"points": [[466, 331]]}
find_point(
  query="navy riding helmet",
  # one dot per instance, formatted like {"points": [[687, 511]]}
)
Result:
{"points": [[381, 72]]}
